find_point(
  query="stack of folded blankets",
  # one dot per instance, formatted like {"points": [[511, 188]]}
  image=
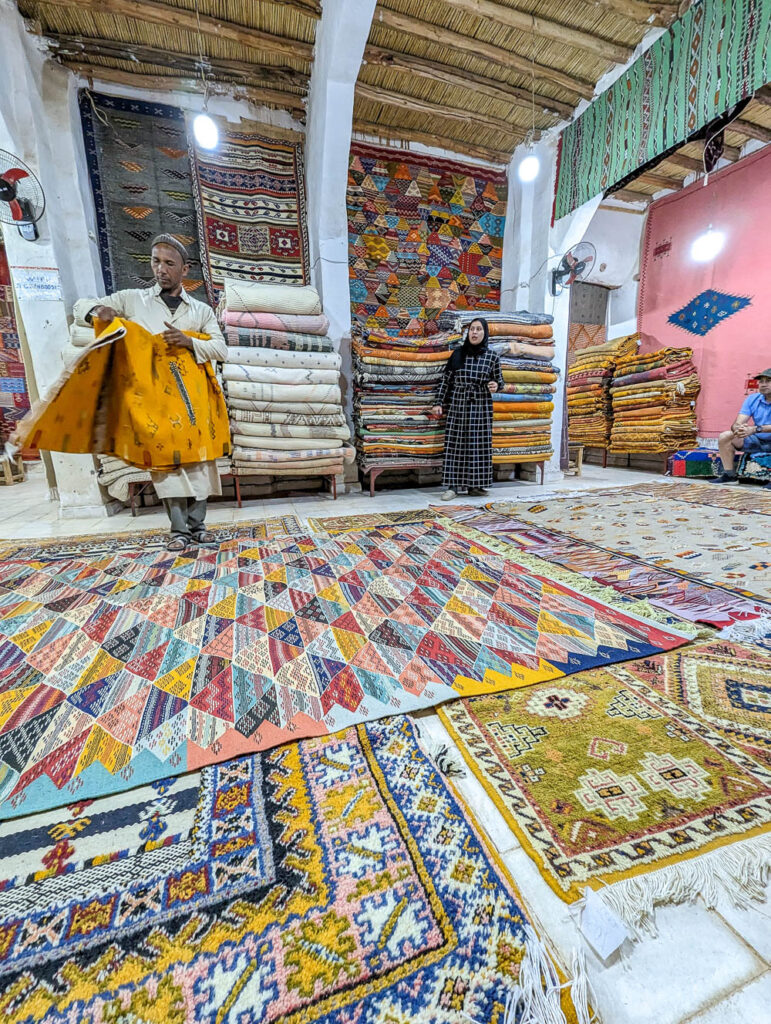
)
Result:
{"points": [[282, 383], [590, 410], [396, 383], [653, 397], [522, 414]]}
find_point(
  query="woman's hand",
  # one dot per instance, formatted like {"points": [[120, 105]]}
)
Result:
{"points": [[436, 411], [492, 387], [515, 348]]}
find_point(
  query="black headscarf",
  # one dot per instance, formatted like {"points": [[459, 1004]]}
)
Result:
{"points": [[460, 355]]}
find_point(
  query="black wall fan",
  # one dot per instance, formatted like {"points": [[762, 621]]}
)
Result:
{"points": [[22, 200], [574, 265]]}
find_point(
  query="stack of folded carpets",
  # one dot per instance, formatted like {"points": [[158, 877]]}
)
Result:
{"points": [[282, 383], [396, 382], [522, 414], [588, 393], [653, 397]]}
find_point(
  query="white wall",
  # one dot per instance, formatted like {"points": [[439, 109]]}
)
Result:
{"points": [[39, 123]]}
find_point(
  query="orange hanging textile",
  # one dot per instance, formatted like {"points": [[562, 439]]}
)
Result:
{"points": [[134, 396]]}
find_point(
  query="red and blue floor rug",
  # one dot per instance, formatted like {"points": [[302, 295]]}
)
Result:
{"points": [[127, 664]]}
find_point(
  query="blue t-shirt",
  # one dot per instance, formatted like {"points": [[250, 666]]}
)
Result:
{"points": [[759, 407]]}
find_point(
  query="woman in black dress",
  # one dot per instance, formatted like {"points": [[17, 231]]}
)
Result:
{"points": [[472, 376]]}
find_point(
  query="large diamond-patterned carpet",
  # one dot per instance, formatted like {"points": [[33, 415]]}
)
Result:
{"points": [[124, 664]]}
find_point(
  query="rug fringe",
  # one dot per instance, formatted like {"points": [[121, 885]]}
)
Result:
{"points": [[536, 999], [741, 872], [754, 631]]}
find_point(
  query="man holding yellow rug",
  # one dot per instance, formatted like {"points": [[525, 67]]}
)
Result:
{"points": [[166, 309], [145, 392]]}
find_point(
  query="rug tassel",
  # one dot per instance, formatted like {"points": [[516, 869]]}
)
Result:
{"points": [[536, 999], [755, 631], [741, 872], [446, 761]]}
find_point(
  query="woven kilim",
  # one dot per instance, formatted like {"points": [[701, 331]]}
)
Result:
{"points": [[334, 880], [140, 178], [89, 832], [371, 520], [14, 398], [705, 532], [136, 664], [424, 235], [250, 200], [602, 778], [667, 588], [713, 57], [726, 684]]}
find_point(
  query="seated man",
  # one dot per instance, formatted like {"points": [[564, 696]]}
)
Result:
{"points": [[751, 431]]}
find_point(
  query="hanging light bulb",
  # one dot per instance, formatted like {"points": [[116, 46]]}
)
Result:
{"points": [[530, 165], [205, 130], [707, 245], [528, 168]]}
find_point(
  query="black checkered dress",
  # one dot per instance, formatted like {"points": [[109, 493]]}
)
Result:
{"points": [[468, 439]]}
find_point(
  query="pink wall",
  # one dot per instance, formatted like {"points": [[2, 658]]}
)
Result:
{"points": [[737, 201]]}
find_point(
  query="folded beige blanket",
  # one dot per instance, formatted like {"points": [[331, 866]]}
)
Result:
{"points": [[285, 408], [281, 357], [329, 394], [286, 430], [286, 444], [278, 375], [257, 297]]}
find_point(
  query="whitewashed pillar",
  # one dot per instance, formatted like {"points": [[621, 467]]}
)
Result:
{"points": [[40, 123], [340, 40], [532, 248]]}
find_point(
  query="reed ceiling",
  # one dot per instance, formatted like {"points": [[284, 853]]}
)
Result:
{"points": [[470, 76]]}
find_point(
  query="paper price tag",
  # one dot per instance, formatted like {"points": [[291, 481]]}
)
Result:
{"points": [[602, 928]]}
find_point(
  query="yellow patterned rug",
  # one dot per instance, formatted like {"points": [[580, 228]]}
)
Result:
{"points": [[332, 880], [603, 778]]}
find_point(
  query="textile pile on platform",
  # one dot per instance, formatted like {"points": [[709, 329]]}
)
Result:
{"points": [[282, 383], [522, 414], [653, 399], [590, 374], [396, 382]]}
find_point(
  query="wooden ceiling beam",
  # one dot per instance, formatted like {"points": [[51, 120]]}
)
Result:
{"points": [[178, 18], [169, 83], [688, 163], [467, 44], [628, 195], [511, 17], [402, 101], [446, 74], [764, 96], [386, 133], [660, 180], [636, 10], [750, 130], [80, 48]]}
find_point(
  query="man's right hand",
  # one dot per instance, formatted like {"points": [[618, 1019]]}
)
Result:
{"points": [[106, 313]]}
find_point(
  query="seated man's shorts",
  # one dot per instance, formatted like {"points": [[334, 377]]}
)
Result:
{"points": [[757, 444]]}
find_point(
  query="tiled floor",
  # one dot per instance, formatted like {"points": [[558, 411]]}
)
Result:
{"points": [[703, 967]]}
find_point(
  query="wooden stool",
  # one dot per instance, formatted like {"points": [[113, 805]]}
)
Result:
{"points": [[137, 490], [12, 470], [575, 459]]}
